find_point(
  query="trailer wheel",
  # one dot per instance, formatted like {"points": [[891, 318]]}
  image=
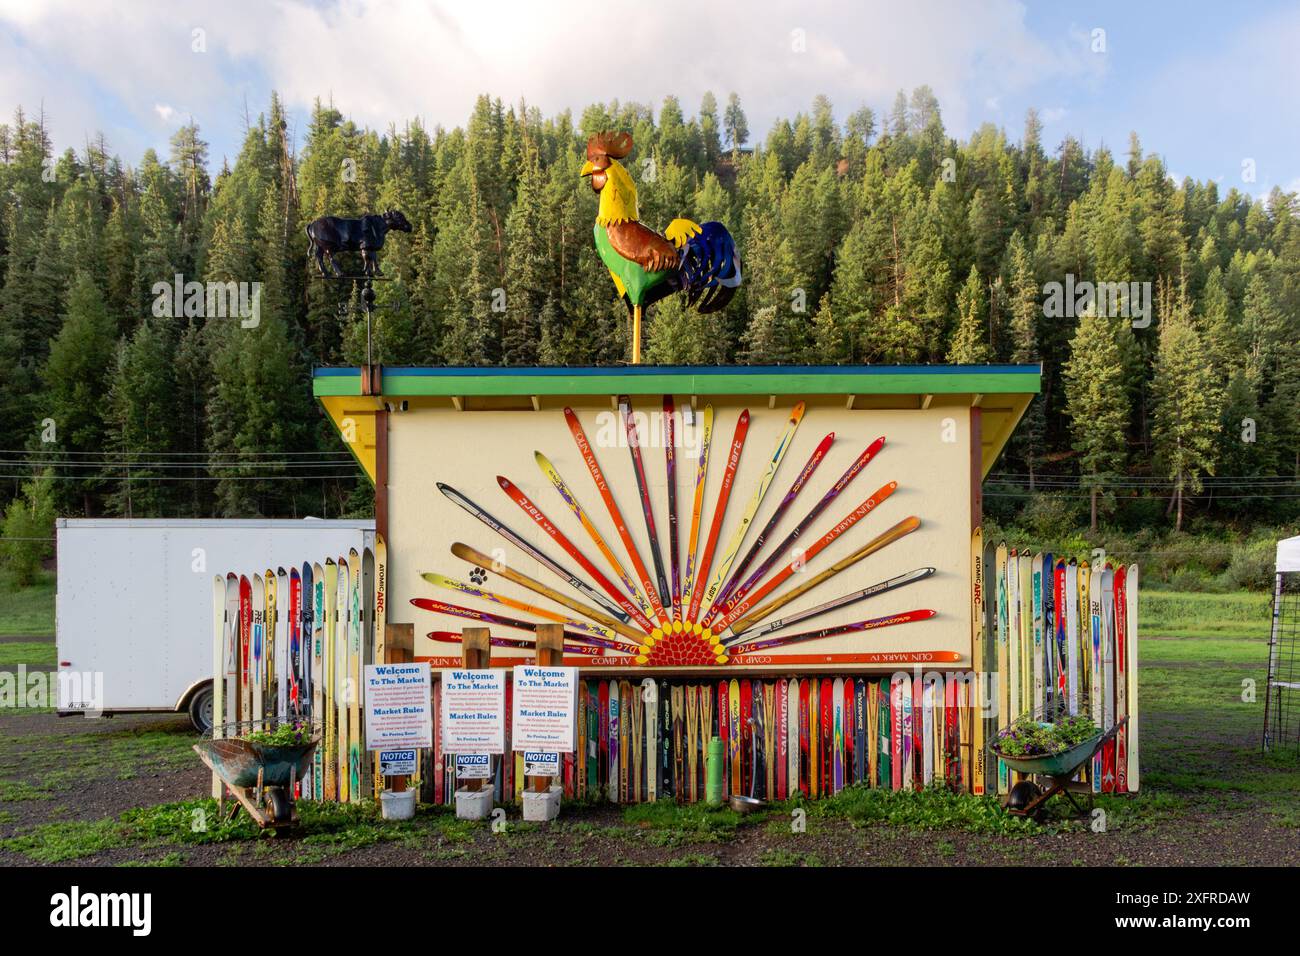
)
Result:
{"points": [[201, 709]]}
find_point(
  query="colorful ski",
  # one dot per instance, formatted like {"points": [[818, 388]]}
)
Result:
{"points": [[782, 739], [598, 477], [806, 777], [1130, 610], [625, 608], [792, 725], [712, 595], [752, 615], [785, 547], [1121, 682], [701, 474], [905, 617], [538, 555], [826, 755], [978, 660], [354, 677], [615, 739], [837, 691], [719, 513], [643, 488], [670, 469], [452, 584], [629, 583], [746, 596], [834, 604], [815, 459], [737, 737]]}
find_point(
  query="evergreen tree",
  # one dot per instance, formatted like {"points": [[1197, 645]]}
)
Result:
{"points": [[75, 381], [1187, 408], [970, 343], [1096, 403], [735, 125]]}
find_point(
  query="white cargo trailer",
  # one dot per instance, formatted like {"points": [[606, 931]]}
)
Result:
{"points": [[134, 600]]}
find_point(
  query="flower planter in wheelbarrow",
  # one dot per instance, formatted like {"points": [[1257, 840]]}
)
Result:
{"points": [[1059, 768], [247, 768]]}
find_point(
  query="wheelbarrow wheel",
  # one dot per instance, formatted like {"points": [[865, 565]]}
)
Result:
{"points": [[1021, 796], [281, 808]]}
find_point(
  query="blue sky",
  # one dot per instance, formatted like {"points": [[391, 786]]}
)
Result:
{"points": [[1207, 86]]}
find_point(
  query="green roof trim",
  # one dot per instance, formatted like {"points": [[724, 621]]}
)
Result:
{"points": [[690, 380]]}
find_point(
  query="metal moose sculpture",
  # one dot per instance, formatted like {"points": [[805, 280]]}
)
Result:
{"points": [[332, 234]]}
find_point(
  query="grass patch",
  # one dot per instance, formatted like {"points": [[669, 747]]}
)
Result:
{"points": [[26, 652], [779, 856], [693, 859], [1238, 614], [28, 610], [932, 809], [665, 824], [168, 859], [14, 791], [68, 840]]}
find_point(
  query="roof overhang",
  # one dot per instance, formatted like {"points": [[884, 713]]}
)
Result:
{"points": [[1002, 392]]}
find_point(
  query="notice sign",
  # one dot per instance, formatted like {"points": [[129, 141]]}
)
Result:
{"points": [[473, 766], [397, 706], [473, 711], [540, 763], [396, 763], [545, 703]]}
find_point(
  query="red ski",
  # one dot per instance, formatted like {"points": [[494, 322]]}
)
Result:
{"points": [[597, 476], [742, 600], [560, 538], [638, 469], [808, 519], [805, 739], [783, 505], [486, 617], [719, 512], [906, 617], [670, 467], [826, 756], [782, 739]]}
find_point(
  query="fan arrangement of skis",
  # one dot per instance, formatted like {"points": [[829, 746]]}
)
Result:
{"points": [[717, 606]]}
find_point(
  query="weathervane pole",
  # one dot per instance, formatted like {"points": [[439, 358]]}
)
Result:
{"points": [[636, 335]]}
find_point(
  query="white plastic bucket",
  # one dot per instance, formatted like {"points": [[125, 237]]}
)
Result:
{"points": [[397, 806]]}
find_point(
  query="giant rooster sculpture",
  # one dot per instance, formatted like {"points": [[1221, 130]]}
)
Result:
{"points": [[699, 261]]}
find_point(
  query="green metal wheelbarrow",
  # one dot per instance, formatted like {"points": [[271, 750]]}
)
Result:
{"points": [[1027, 798], [262, 778]]}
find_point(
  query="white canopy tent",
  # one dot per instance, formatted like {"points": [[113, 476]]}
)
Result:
{"points": [[1288, 555]]}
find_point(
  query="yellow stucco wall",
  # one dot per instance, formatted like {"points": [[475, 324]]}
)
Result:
{"points": [[927, 452]]}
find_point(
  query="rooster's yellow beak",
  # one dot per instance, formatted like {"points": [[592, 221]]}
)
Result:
{"points": [[587, 168]]}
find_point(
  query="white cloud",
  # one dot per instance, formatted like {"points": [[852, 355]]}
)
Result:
{"points": [[165, 112], [388, 60], [1053, 114]]}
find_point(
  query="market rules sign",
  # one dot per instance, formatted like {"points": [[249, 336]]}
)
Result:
{"points": [[473, 711], [545, 707]]}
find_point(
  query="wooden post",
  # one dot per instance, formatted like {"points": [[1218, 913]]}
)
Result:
{"points": [[475, 654], [399, 648], [550, 653]]}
